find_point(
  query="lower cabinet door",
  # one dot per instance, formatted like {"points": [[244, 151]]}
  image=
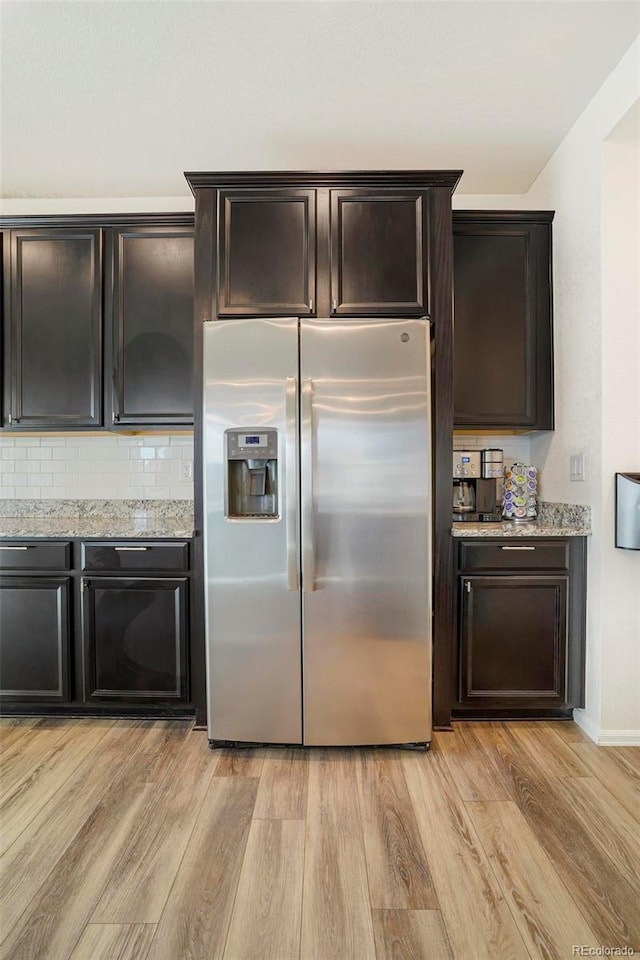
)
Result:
{"points": [[513, 634], [34, 638], [135, 638]]}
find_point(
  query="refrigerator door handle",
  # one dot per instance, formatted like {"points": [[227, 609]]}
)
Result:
{"points": [[308, 551], [291, 480]]}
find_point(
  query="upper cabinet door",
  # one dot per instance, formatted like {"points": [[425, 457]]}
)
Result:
{"points": [[378, 242], [267, 252], [503, 351], [55, 334], [153, 325]]}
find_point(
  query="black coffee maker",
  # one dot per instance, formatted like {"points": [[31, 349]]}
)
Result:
{"points": [[476, 474]]}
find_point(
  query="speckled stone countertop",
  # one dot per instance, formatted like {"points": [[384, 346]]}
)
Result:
{"points": [[108, 519], [554, 520]]}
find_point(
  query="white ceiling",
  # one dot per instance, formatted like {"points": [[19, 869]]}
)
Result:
{"points": [[116, 99]]}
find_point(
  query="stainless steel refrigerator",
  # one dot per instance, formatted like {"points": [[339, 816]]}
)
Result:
{"points": [[317, 496]]}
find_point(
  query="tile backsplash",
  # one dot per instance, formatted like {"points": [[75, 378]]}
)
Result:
{"points": [[516, 449], [107, 467], [135, 468]]}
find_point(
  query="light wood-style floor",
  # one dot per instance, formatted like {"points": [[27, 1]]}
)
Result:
{"points": [[131, 840]]}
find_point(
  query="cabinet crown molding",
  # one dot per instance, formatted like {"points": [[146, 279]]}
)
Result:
{"points": [[324, 178], [185, 219], [503, 216]]}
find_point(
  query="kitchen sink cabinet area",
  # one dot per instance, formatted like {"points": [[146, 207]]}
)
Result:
{"points": [[95, 627], [97, 322], [521, 623], [503, 336]]}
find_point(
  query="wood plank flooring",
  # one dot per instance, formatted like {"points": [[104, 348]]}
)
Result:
{"points": [[131, 840]]}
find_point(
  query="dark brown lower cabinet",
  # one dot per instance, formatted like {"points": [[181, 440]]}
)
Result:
{"points": [[135, 638], [520, 627], [34, 638], [97, 627], [513, 635]]}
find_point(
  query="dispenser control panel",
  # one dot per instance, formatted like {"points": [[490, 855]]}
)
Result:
{"points": [[242, 444], [466, 463]]}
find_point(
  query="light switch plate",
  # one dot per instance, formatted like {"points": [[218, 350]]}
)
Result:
{"points": [[576, 466]]}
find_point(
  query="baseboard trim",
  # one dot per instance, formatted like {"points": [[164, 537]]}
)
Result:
{"points": [[619, 738], [606, 738]]}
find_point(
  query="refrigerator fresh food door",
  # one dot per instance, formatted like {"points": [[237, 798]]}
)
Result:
{"points": [[365, 515], [251, 562]]}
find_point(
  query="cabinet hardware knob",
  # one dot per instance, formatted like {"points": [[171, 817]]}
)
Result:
{"points": [[13, 548], [467, 586], [130, 549], [517, 548]]}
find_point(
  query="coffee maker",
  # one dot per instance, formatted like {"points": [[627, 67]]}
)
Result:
{"points": [[475, 491]]}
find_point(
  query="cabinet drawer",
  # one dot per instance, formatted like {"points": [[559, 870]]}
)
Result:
{"points": [[515, 554], [135, 556], [18, 555]]}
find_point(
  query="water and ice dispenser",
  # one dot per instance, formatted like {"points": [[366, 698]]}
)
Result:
{"points": [[251, 463]]}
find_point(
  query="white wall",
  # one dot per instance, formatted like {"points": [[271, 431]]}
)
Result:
{"points": [[592, 182], [597, 382], [620, 416], [26, 206]]}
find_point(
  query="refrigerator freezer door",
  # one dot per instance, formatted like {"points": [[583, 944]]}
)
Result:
{"points": [[366, 480], [251, 565]]}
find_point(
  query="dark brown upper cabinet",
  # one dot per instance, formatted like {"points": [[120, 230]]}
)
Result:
{"points": [[54, 334], [369, 244], [98, 321], [152, 325], [503, 339], [378, 241], [266, 252]]}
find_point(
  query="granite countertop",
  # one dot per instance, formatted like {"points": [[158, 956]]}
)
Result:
{"points": [[554, 520], [165, 519], [104, 519]]}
